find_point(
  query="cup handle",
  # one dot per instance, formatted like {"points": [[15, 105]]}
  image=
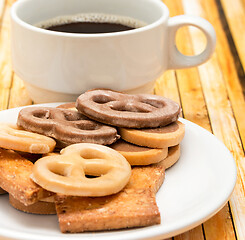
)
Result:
{"points": [[176, 58]]}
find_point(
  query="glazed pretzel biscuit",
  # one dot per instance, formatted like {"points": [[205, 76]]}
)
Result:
{"points": [[48, 199], [65, 125], [137, 155], [13, 138], [40, 207], [161, 137], [124, 110], [67, 173]]}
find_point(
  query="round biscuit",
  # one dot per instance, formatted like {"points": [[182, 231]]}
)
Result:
{"points": [[137, 155], [162, 137]]}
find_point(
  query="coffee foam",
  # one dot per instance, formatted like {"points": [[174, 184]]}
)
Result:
{"points": [[92, 17]]}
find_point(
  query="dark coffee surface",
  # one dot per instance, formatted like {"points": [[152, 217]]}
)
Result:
{"points": [[89, 27]]}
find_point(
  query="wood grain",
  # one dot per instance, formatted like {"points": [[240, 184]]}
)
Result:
{"points": [[5, 58], [221, 116], [2, 4], [235, 15], [193, 234], [231, 75], [166, 86], [194, 109], [18, 94]]}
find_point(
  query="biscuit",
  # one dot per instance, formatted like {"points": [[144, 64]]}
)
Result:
{"points": [[125, 110], [173, 156], [2, 191], [15, 178], [14, 138], [137, 155], [161, 137], [30, 156], [65, 125], [70, 106], [39, 207], [66, 173], [134, 206]]}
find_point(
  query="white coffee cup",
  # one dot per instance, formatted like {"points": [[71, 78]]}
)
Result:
{"points": [[57, 66]]}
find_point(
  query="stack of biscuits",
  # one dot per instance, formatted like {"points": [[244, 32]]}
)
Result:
{"points": [[144, 129]]}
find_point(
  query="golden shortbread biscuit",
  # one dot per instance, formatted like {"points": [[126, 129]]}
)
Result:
{"points": [[137, 155], [162, 137], [173, 156]]}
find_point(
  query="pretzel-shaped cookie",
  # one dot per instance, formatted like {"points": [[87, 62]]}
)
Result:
{"points": [[65, 125], [11, 137], [124, 110], [67, 173]]}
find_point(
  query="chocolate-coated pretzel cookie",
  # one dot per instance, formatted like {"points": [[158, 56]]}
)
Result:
{"points": [[124, 110], [65, 125]]}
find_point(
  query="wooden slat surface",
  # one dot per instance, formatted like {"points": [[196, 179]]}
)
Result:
{"points": [[5, 58], [221, 108], [211, 95], [235, 15]]}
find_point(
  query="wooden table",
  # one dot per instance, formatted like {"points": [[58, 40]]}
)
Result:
{"points": [[211, 95]]}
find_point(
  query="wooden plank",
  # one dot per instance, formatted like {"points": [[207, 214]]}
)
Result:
{"points": [[228, 66], [166, 86], [221, 115], [215, 226], [233, 85], [18, 94], [2, 4], [235, 13], [12, 91], [194, 108], [5, 65], [193, 234]]}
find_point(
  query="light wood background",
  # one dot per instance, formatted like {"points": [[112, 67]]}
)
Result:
{"points": [[211, 95]]}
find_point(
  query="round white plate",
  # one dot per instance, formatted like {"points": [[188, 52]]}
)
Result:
{"points": [[195, 188]]}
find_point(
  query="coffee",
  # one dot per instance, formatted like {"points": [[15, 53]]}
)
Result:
{"points": [[89, 27], [91, 23]]}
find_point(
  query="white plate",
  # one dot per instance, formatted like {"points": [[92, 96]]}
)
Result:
{"points": [[195, 188]]}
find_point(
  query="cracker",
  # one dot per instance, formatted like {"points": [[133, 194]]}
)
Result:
{"points": [[2, 191], [134, 206], [14, 178], [39, 207]]}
